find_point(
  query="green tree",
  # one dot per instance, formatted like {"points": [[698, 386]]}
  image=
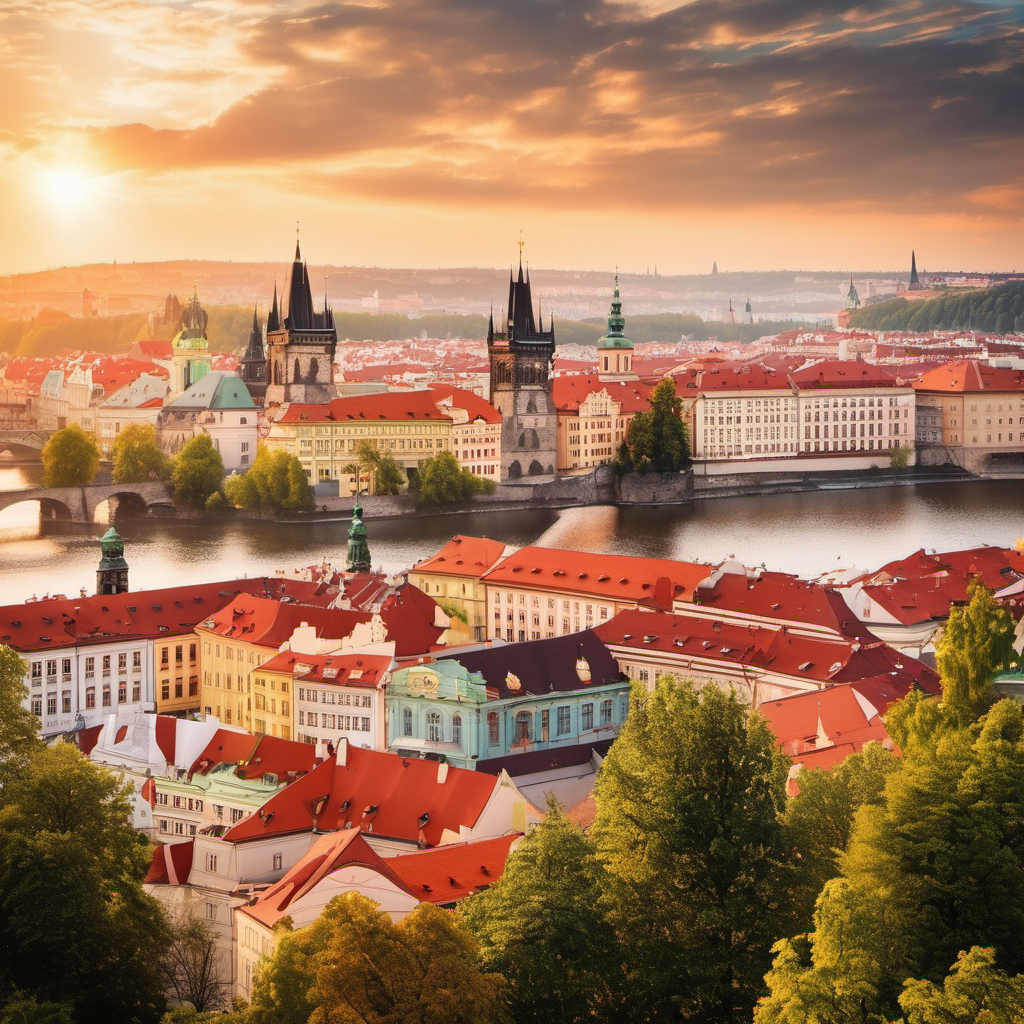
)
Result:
{"points": [[19, 728], [899, 457], [976, 644], [275, 481], [541, 926], [354, 965], [136, 456], [386, 476], [70, 894], [657, 441], [974, 992], [70, 458], [198, 472], [689, 823], [443, 481]]}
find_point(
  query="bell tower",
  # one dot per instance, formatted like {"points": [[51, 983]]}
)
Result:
{"points": [[615, 350], [112, 573]]}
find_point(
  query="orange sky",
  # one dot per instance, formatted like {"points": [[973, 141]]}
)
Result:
{"points": [[815, 134]]}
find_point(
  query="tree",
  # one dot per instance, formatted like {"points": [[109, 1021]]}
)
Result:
{"points": [[198, 473], [275, 481], [136, 455], [899, 457], [70, 458], [192, 964], [19, 728], [541, 925], [689, 824], [976, 644], [974, 992], [70, 894], [443, 480], [656, 440], [386, 476], [354, 965]]}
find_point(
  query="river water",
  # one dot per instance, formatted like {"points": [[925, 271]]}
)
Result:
{"points": [[806, 533]]}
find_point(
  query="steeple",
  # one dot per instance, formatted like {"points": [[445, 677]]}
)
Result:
{"points": [[274, 319], [915, 281], [253, 368], [714, 266], [748, 312], [112, 573], [521, 323], [852, 298], [615, 350], [299, 311]]}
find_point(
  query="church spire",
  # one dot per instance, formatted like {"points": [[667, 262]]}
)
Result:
{"points": [[915, 281], [274, 318]]}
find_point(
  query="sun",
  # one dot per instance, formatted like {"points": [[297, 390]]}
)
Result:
{"points": [[65, 189]]}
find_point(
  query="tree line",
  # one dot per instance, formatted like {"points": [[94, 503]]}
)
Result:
{"points": [[999, 309]]}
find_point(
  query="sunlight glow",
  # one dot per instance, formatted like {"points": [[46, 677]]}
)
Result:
{"points": [[66, 189]]}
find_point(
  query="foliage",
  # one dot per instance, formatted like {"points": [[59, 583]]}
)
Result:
{"points": [[22, 1009], [443, 480], [974, 992], [689, 824], [19, 728], [136, 455], [386, 476], [454, 609], [820, 817], [656, 441], [354, 965], [197, 473], [51, 334], [70, 893], [541, 926], [998, 309], [274, 481], [70, 458], [931, 870], [899, 457], [192, 964]]}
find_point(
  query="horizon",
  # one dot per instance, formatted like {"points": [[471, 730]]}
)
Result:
{"points": [[437, 133]]}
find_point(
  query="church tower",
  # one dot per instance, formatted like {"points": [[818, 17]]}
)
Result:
{"points": [[522, 362], [615, 350], [190, 349], [112, 573], [300, 344], [915, 281], [852, 298], [253, 369]]}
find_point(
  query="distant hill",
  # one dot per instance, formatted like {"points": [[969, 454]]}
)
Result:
{"points": [[999, 309]]}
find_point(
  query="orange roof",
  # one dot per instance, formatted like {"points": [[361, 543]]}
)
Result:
{"points": [[171, 863], [842, 373], [451, 872], [358, 670], [970, 376], [463, 556], [475, 406], [382, 793], [742, 377], [614, 577], [571, 389], [255, 755], [389, 405]]}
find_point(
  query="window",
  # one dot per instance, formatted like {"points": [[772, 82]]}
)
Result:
{"points": [[406, 721], [311, 718], [236, 815], [211, 862], [606, 712], [90, 667], [587, 717], [492, 728], [122, 693], [136, 659], [563, 721], [211, 911], [37, 670], [277, 862], [65, 702], [66, 666], [457, 729], [51, 667], [90, 697], [106, 664], [524, 721], [434, 726], [106, 696], [122, 661]]}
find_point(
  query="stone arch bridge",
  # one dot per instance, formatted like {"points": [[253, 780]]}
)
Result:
{"points": [[23, 442], [79, 504]]}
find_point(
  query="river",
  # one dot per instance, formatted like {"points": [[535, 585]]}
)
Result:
{"points": [[806, 533]]}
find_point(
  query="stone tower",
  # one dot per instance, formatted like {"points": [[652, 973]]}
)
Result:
{"points": [[253, 368], [615, 350], [190, 349], [522, 357], [112, 573], [300, 345]]}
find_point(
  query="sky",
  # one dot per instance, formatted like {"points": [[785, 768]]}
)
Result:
{"points": [[761, 134]]}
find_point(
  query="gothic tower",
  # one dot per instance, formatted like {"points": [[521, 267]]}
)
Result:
{"points": [[253, 369], [852, 298], [300, 344], [915, 281], [615, 350], [112, 573], [522, 357]]}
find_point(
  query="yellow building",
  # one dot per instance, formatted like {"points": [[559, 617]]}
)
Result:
{"points": [[593, 417]]}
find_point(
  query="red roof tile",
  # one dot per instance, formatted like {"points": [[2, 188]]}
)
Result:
{"points": [[836, 373], [970, 376], [570, 390], [463, 556], [171, 863], [388, 405], [459, 398], [449, 873], [256, 756]]}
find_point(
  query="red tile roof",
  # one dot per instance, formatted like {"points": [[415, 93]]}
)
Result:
{"points": [[569, 391], [475, 406], [837, 373], [399, 790], [356, 670], [742, 377], [463, 556], [411, 620], [451, 872], [970, 376], [256, 755], [388, 405], [654, 581], [171, 863]]}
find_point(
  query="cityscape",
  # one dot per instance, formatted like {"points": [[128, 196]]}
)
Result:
{"points": [[453, 571]]}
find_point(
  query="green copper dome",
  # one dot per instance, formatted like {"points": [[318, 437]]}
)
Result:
{"points": [[616, 322]]}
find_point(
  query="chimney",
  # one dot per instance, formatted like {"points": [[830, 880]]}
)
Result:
{"points": [[341, 753]]}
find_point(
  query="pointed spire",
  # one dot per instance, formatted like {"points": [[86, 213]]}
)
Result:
{"points": [[915, 281], [255, 319], [274, 318]]}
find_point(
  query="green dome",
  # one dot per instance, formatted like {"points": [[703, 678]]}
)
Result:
{"points": [[616, 322]]}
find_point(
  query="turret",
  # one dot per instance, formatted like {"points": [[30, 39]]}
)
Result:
{"points": [[615, 350], [112, 573]]}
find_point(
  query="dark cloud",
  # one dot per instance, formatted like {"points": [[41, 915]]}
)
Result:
{"points": [[581, 103]]}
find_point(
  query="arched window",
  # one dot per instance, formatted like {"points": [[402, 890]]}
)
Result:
{"points": [[314, 370], [493, 734], [406, 721], [524, 727], [242, 420], [457, 729], [434, 726]]}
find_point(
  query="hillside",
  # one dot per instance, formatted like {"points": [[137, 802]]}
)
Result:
{"points": [[999, 309]]}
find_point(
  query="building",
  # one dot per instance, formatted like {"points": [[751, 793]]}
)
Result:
{"points": [[476, 430], [614, 349], [454, 575], [300, 344], [594, 415], [521, 359], [139, 402], [982, 415], [219, 404], [190, 348], [481, 707], [253, 367]]}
